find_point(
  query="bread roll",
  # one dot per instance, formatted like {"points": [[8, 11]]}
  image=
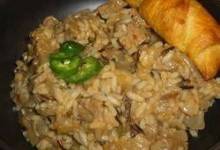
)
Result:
{"points": [[188, 26]]}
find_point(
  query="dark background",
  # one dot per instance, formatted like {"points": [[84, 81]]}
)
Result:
{"points": [[17, 19]]}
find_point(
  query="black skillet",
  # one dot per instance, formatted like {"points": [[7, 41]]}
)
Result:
{"points": [[17, 19]]}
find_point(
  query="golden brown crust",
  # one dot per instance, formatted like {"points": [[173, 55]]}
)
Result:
{"points": [[134, 3], [188, 26]]}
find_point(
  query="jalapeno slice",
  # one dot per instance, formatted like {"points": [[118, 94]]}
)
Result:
{"points": [[68, 65], [89, 68], [71, 48], [63, 65]]}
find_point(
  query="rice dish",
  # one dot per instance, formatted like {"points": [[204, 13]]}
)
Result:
{"points": [[147, 96]]}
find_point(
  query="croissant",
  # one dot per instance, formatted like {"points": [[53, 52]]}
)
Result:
{"points": [[186, 25]]}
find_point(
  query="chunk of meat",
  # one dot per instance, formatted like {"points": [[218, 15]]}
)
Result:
{"points": [[133, 36]]}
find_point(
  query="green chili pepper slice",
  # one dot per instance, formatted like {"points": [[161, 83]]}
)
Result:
{"points": [[71, 48], [89, 68], [64, 66]]}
